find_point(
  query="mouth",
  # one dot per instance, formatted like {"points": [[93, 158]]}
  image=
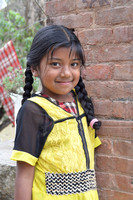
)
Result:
{"points": [[64, 81]]}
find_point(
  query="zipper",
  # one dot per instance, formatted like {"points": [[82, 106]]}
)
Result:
{"points": [[81, 132]]}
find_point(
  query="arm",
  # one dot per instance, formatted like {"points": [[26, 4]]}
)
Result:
{"points": [[24, 181]]}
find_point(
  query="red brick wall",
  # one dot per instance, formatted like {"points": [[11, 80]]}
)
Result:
{"points": [[106, 33]]}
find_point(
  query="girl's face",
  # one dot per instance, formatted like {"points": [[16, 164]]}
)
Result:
{"points": [[59, 74]]}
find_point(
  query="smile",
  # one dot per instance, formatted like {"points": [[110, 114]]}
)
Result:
{"points": [[64, 82]]}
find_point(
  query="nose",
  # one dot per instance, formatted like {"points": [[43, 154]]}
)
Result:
{"points": [[65, 71]]}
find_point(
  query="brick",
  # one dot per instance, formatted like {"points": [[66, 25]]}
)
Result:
{"points": [[114, 195], [81, 20], [124, 183], [106, 148], [128, 88], [87, 3], [96, 36], [119, 110], [110, 90], [109, 53], [116, 109], [100, 89], [122, 91], [114, 164], [114, 182], [123, 196], [123, 71], [122, 3], [116, 129], [123, 148], [59, 7], [81, 4], [92, 4], [123, 34], [103, 108], [105, 194], [123, 110], [114, 16], [105, 180], [99, 72]]}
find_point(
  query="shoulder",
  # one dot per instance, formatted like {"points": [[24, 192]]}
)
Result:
{"points": [[31, 111], [30, 107]]}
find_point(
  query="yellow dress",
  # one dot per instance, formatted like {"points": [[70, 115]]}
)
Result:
{"points": [[61, 149]]}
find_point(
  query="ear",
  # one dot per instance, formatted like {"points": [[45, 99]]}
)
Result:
{"points": [[34, 72]]}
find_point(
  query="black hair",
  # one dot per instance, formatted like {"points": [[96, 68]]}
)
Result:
{"points": [[86, 103], [50, 38]]}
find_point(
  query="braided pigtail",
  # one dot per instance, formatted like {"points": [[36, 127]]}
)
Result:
{"points": [[87, 105], [28, 84]]}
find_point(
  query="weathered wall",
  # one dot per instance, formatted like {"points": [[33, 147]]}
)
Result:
{"points": [[106, 33], [7, 180]]}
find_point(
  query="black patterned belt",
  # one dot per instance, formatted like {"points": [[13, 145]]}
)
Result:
{"points": [[70, 183]]}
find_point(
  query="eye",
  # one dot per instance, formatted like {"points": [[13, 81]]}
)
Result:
{"points": [[55, 64], [75, 64]]}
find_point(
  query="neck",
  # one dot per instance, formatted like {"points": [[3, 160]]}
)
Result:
{"points": [[61, 98]]}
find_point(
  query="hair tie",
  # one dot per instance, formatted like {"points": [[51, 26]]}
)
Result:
{"points": [[92, 122]]}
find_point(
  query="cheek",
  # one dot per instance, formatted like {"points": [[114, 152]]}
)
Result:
{"points": [[77, 74], [48, 77]]}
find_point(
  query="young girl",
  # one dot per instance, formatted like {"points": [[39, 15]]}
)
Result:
{"points": [[55, 136]]}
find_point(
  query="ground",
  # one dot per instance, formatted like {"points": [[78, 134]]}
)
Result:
{"points": [[6, 145]]}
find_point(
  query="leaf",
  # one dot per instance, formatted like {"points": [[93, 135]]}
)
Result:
{"points": [[13, 27]]}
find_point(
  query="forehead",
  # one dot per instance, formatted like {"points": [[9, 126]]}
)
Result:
{"points": [[63, 52]]}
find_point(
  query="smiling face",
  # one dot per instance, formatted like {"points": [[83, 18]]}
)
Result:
{"points": [[59, 73]]}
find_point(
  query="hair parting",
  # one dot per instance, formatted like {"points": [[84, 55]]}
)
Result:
{"points": [[65, 33]]}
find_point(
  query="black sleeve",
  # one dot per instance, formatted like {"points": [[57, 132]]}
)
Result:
{"points": [[33, 127]]}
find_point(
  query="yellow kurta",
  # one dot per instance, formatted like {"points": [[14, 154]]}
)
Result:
{"points": [[64, 169]]}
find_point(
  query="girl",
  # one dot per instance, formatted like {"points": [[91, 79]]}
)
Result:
{"points": [[55, 136]]}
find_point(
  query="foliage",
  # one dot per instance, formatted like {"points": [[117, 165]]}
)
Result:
{"points": [[15, 81], [13, 27]]}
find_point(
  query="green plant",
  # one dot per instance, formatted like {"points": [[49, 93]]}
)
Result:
{"points": [[13, 27], [15, 81]]}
